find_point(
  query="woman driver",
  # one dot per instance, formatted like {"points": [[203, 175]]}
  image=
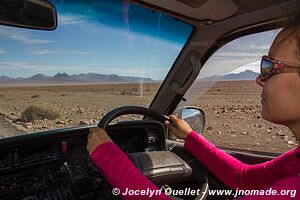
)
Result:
{"points": [[280, 80]]}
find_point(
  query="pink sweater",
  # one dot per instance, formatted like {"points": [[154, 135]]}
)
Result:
{"points": [[281, 173]]}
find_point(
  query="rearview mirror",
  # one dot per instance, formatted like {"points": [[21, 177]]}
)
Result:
{"points": [[194, 116], [35, 14]]}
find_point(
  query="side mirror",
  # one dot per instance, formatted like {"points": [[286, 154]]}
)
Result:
{"points": [[194, 116], [35, 14]]}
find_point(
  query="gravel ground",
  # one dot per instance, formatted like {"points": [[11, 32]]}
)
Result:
{"points": [[233, 118], [8, 129], [232, 111]]}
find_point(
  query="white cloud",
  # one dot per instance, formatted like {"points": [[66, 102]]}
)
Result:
{"points": [[2, 51], [238, 54], [234, 61], [72, 19], [47, 52], [12, 66], [254, 66], [265, 47], [22, 36]]}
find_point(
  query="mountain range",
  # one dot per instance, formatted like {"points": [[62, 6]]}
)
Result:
{"points": [[245, 75], [64, 78]]}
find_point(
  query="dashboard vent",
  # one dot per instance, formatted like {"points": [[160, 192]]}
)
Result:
{"points": [[39, 155], [6, 162]]}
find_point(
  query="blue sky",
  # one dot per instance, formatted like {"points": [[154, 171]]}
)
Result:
{"points": [[112, 37], [239, 55], [134, 43]]}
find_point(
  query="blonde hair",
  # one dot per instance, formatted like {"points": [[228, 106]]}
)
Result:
{"points": [[291, 31]]}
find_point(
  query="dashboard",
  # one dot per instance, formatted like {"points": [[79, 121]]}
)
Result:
{"points": [[55, 165]]}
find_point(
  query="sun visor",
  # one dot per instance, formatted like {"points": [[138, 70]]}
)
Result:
{"points": [[200, 10]]}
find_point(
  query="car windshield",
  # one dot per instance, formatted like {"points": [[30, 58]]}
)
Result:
{"points": [[103, 54]]}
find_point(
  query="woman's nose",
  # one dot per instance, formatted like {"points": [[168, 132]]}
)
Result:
{"points": [[259, 81]]}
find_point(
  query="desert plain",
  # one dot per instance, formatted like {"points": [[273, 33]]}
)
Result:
{"points": [[232, 109]]}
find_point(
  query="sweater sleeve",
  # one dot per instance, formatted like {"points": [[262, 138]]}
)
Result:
{"points": [[231, 171], [121, 173]]}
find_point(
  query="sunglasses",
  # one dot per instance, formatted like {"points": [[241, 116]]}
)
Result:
{"points": [[270, 67]]}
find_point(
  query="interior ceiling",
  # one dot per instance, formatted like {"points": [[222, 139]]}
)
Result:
{"points": [[201, 10], [197, 10], [193, 3], [245, 6]]}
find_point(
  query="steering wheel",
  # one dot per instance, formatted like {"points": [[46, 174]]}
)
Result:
{"points": [[104, 122], [125, 110]]}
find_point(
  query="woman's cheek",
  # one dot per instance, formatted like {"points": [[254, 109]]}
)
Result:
{"points": [[273, 109]]}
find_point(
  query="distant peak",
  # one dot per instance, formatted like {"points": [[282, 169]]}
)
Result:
{"points": [[76, 78], [248, 70], [244, 75], [61, 75], [38, 76]]}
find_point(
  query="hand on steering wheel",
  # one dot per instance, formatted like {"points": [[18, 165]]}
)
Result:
{"points": [[178, 127], [96, 137]]}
